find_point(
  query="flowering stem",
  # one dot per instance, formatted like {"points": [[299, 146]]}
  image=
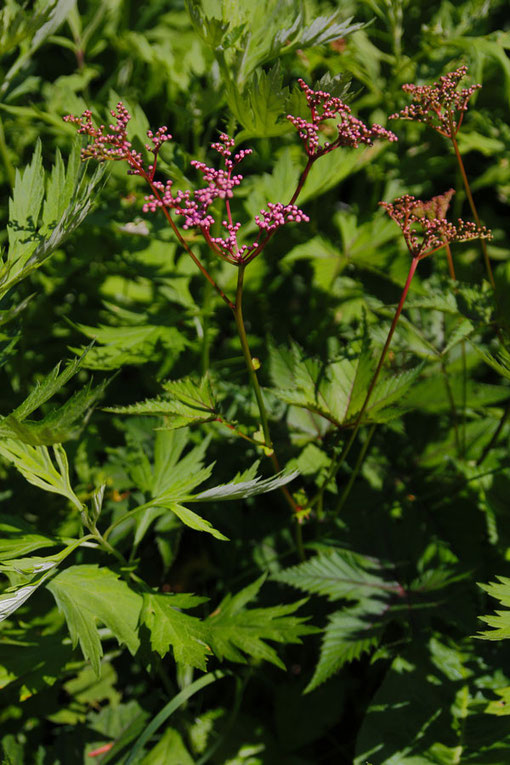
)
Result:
{"points": [[336, 465], [473, 209], [268, 444], [449, 258], [186, 246]]}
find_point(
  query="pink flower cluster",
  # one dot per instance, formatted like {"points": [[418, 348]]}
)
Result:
{"points": [[424, 224], [438, 105], [192, 205], [115, 144], [351, 131]]}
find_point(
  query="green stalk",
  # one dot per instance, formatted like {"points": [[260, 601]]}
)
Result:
{"points": [[357, 468], [268, 444], [336, 465]]}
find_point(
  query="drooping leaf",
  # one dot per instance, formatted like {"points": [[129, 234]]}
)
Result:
{"points": [[18, 538], [88, 595], [171, 628], [237, 632]]}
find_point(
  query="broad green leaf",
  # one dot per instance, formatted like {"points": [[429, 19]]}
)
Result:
{"points": [[237, 632], [261, 107], [88, 595], [34, 663], [36, 465], [29, 574], [171, 628]]}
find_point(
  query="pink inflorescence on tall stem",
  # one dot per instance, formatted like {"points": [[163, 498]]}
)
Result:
{"points": [[440, 105], [193, 205], [351, 132], [425, 227]]}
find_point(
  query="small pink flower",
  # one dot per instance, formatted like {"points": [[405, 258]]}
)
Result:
{"points": [[351, 131], [424, 224], [440, 105]]}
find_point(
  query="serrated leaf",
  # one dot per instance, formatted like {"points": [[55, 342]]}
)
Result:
{"points": [[136, 345], [37, 466], [261, 107], [185, 402], [340, 574], [36, 230], [348, 634], [237, 632], [500, 621], [170, 628], [87, 595], [191, 519], [29, 574]]}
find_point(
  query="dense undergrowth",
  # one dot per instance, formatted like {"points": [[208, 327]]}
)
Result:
{"points": [[254, 434]]}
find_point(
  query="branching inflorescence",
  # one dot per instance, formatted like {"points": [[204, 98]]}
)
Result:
{"points": [[351, 132], [425, 227], [193, 205], [440, 105]]}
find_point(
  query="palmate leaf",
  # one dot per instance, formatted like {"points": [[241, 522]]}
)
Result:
{"points": [[236, 632], [500, 621], [171, 628], [185, 402], [43, 211], [262, 106], [87, 595], [337, 391]]}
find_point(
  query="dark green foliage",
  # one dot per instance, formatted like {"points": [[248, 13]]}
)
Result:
{"points": [[232, 528]]}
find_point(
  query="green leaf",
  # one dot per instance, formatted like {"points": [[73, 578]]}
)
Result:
{"points": [[140, 344], [19, 538], [500, 622], [348, 634], [340, 574], [60, 424], [29, 574], [261, 107], [240, 489], [36, 230], [88, 594], [170, 628], [37, 466], [170, 750], [185, 402], [237, 632]]}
